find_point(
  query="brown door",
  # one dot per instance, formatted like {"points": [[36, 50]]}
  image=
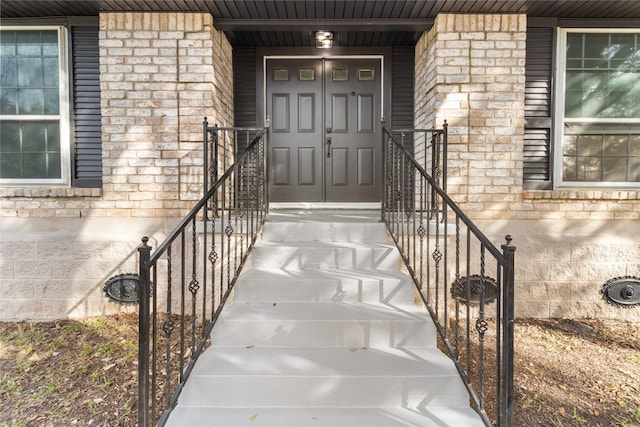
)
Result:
{"points": [[325, 129]]}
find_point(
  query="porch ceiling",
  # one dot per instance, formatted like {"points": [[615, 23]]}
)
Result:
{"points": [[273, 23]]}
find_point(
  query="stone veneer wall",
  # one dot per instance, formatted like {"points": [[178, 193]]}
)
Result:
{"points": [[160, 75], [470, 71]]}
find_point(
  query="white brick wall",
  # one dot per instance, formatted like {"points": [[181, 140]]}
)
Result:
{"points": [[470, 72]]}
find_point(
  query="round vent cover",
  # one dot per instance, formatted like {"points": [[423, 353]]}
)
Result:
{"points": [[622, 291]]}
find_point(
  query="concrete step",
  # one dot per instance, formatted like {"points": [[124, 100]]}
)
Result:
{"points": [[323, 417], [325, 232], [324, 330], [324, 324], [323, 285], [298, 256], [324, 377]]}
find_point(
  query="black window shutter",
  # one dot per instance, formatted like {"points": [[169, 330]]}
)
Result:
{"points": [[86, 115], [538, 108]]}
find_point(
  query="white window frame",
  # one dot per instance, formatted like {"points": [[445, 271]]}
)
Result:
{"points": [[560, 120], [63, 117]]}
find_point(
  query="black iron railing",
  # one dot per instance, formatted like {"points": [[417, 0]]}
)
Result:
{"points": [[186, 281], [465, 282]]}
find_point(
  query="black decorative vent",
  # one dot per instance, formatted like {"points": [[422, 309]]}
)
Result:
{"points": [[123, 288], [473, 287], [622, 291]]}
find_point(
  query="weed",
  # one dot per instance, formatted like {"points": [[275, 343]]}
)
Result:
{"points": [[8, 385], [49, 389], [633, 420], [106, 349], [128, 406], [577, 418]]}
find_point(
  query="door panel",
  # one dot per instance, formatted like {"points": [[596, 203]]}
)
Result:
{"points": [[294, 96], [366, 167], [340, 169], [325, 131], [353, 85], [307, 166], [306, 112], [339, 118]]}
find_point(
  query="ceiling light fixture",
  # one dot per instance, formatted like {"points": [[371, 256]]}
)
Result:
{"points": [[324, 39]]}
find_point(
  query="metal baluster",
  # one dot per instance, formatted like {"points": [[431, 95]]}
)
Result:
{"points": [[481, 327], [167, 327]]}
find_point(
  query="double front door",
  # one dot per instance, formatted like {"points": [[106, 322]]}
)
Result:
{"points": [[325, 142]]}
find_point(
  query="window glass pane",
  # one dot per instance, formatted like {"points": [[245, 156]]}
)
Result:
{"points": [[601, 152], [616, 145], [10, 137], [50, 43], [306, 74], [596, 45], [10, 165], [29, 43], [340, 75], [281, 74], [51, 101], [9, 74], [30, 101], [635, 145], [30, 72], [634, 169], [365, 73], [607, 83], [614, 169], [8, 101], [574, 46], [30, 150], [29, 85], [34, 138], [50, 72], [7, 43]]}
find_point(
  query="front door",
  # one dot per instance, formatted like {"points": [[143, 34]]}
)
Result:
{"points": [[325, 129]]}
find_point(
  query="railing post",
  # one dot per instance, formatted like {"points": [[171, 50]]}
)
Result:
{"points": [[144, 252], [508, 333], [445, 154], [205, 158]]}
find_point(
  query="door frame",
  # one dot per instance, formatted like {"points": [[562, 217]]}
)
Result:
{"points": [[265, 54]]}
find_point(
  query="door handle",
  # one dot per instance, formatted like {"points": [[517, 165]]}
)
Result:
{"points": [[328, 147]]}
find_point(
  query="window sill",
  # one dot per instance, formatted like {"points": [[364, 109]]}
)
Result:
{"points": [[581, 194], [49, 192]]}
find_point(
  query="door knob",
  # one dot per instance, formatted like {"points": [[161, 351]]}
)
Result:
{"points": [[328, 147]]}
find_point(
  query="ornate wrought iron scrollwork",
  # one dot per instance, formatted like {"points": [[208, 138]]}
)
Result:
{"points": [[123, 288], [168, 325], [481, 327], [622, 291], [437, 256], [194, 285], [468, 290]]}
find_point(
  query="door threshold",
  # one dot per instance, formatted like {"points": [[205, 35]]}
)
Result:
{"points": [[325, 205]]}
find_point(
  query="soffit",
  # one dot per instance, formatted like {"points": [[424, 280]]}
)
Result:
{"points": [[273, 23]]}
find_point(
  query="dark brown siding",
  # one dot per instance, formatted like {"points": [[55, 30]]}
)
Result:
{"points": [[244, 87], [402, 87]]}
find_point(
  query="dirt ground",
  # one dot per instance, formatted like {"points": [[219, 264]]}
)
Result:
{"points": [[66, 373]]}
